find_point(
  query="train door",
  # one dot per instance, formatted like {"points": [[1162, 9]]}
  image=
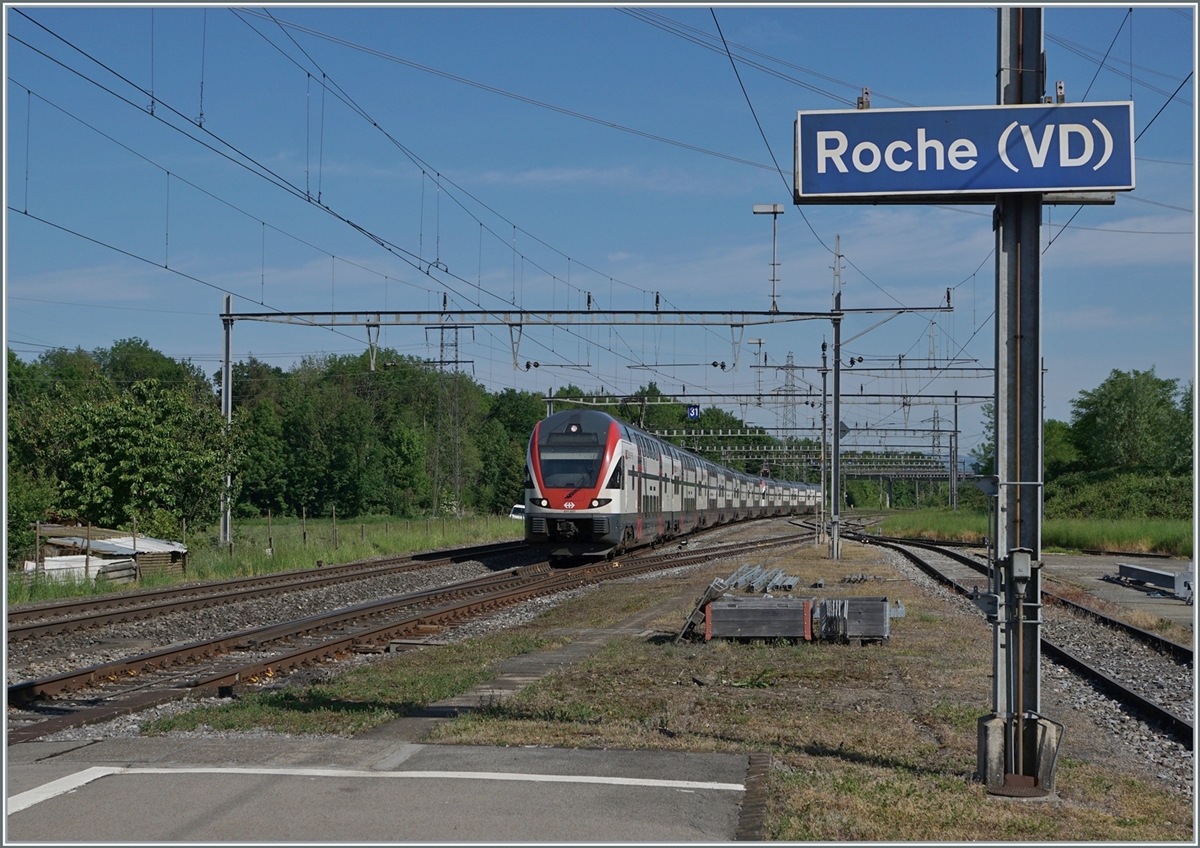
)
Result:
{"points": [[640, 498]]}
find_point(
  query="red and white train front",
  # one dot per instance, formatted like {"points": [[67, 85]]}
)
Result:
{"points": [[575, 484], [595, 486]]}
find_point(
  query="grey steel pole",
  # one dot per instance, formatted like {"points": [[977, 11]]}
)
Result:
{"points": [[835, 550], [774, 259], [824, 432], [1017, 745], [227, 411], [954, 458]]}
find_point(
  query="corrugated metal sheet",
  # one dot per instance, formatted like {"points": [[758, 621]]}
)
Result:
{"points": [[854, 618], [759, 618], [79, 565], [118, 545]]}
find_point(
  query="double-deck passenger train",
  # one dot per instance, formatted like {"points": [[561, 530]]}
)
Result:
{"points": [[596, 486]]}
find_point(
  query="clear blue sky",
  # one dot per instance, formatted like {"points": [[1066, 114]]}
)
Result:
{"points": [[453, 170]]}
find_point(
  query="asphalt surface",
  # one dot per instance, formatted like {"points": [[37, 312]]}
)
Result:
{"points": [[1088, 572], [161, 790], [381, 786]]}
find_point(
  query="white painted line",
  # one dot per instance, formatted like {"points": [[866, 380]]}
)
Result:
{"points": [[25, 800], [442, 775]]}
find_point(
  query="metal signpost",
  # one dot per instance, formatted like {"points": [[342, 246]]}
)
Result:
{"points": [[1020, 154], [962, 151]]}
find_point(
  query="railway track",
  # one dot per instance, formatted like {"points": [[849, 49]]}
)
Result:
{"points": [[1143, 670], [31, 622], [231, 661]]}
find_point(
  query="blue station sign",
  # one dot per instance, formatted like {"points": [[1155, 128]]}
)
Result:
{"points": [[888, 154]]}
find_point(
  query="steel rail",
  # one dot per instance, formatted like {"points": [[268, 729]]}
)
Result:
{"points": [[506, 589], [1180, 728], [1184, 653], [255, 637], [72, 615]]}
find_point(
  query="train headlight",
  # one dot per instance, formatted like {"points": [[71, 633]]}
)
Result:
{"points": [[539, 502], [600, 502]]}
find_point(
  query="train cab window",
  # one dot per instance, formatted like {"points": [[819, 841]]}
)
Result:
{"points": [[571, 448], [528, 477], [617, 479]]}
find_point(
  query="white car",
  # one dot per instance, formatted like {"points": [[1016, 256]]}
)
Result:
{"points": [[518, 512]]}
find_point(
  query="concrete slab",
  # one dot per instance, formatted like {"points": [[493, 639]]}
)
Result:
{"points": [[234, 751], [32, 752], [677, 765], [120, 751], [431, 793]]}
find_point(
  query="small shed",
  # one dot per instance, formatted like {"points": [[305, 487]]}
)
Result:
{"points": [[88, 551]]}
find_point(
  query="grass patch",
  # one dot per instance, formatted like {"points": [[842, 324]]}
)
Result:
{"points": [[1169, 536], [364, 697], [937, 524], [1163, 535]]}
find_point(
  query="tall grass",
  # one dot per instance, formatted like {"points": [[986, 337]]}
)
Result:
{"points": [[937, 524], [260, 547], [1144, 535]]}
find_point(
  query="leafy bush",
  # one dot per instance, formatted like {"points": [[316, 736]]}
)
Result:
{"points": [[1112, 494]]}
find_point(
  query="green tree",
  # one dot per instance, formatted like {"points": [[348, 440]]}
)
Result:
{"points": [[1058, 449], [1182, 443], [132, 360], [253, 382], [409, 490], [263, 471], [149, 453], [29, 499], [1130, 420], [984, 453], [307, 454]]}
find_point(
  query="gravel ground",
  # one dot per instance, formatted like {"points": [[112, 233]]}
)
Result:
{"points": [[91, 647], [55, 654], [1098, 728], [131, 725]]}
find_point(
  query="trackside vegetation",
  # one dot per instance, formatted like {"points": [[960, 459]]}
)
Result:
{"points": [[1118, 476], [126, 433], [1168, 536], [263, 548]]}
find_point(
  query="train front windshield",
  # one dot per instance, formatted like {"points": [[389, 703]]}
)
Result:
{"points": [[571, 449]]}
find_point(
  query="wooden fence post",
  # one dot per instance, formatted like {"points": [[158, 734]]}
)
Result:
{"points": [[304, 524], [335, 538], [270, 538]]}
